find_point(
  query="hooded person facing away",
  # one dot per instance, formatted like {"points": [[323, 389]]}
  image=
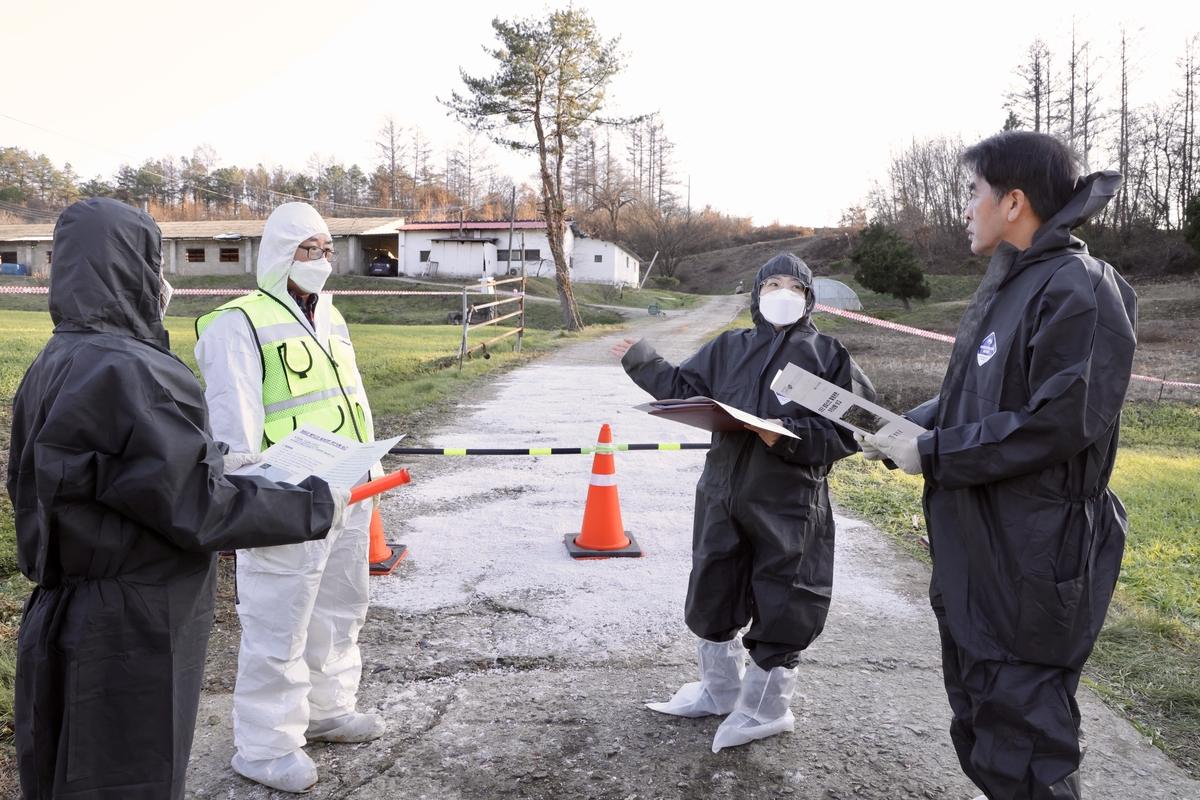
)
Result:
{"points": [[1025, 535], [762, 541], [272, 360], [121, 502]]}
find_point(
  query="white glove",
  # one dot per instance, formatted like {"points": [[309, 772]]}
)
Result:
{"points": [[869, 450], [902, 452], [235, 460], [341, 499]]}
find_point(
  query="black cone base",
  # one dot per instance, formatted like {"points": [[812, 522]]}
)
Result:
{"points": [[385, 567], [583, 553]]}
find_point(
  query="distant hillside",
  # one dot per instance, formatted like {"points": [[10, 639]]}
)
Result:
{"points": [[718, 271]]}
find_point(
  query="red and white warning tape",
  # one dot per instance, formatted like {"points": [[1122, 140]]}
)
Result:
{"points": [[891, 326], [939, 337], [837, 312], [238, 292]]}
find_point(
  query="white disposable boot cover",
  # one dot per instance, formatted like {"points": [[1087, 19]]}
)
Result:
{"points": [[349, 728], [301, 608], [294, 772], [763, 707], [722, 665]]}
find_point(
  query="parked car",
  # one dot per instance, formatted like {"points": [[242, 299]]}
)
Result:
{"points": [[384, 266], [14, 269]]}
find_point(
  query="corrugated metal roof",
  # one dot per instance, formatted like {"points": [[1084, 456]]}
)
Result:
{"points": [[474, 225], [17, 233], [209, 229]]}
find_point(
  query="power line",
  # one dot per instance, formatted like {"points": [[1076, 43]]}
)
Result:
{"points": [[41, 215]]}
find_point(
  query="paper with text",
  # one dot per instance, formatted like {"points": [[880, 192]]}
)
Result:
{"points": [[343, 463], [843, 407]]}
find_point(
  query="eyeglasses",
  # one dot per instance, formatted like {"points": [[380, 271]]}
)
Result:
{"points": [[315, 252], [774, 284]]}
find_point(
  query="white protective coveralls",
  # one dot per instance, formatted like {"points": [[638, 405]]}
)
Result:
{"points": [[301, 606]]}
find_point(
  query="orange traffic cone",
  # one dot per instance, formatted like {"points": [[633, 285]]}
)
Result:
{"points": [[603, 535], [383, 557]]}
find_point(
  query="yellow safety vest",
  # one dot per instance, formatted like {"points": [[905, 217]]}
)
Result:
{"points": [[302, 381]]}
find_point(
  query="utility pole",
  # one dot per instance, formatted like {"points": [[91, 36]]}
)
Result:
{"points": [[512, 223]]}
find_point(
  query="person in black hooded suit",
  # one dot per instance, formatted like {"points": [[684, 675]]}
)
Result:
{"points": [[762, 550], [1025, 535], [121, 503]]}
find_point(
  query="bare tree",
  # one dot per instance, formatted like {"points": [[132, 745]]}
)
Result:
{"points": [[1032, 99], [1124, 205], [1079, 107], [650, 162], [468, 170], [1189, 179], [391, 149], [924, 197]]}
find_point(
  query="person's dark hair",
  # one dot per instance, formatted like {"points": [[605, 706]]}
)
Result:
{"points": [[1039, 165]]}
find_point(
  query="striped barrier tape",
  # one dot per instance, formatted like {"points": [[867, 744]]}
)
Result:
{"points": [[837, 312], [891, 326], [941, 337], [239, 292], [545, 451]]}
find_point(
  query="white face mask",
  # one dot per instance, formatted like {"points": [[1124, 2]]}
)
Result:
{"points": [[782, 307], [164, 297], [310, 275]]}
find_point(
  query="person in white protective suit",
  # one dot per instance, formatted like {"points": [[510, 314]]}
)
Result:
{"points": [[272, 360]]}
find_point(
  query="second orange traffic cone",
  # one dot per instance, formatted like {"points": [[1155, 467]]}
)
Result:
{"points": [[383, 557], [603, 535]]}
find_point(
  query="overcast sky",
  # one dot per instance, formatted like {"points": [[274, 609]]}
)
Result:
{"points": [[780, 110]]}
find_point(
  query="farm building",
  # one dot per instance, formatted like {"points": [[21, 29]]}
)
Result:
{"points": [[469, 249], [221, 247], [28, 245], [478, 249]]}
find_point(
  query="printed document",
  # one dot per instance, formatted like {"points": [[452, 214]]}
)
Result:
{"points": [[343, 463], [843, 407]]}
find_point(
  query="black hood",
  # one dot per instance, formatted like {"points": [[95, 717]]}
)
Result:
{"points": [[783, 264], [1092, 193], [106, 272]]}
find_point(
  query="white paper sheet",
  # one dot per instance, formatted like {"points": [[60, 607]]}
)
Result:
{"points": [[845, 408], [738, 414], [750, 419], [341, 462]]}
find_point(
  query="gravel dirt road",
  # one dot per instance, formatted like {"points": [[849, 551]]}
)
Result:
{"points": [[506, 669]]}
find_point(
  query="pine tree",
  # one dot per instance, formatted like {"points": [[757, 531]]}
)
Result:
{"points": [[887, 265]]}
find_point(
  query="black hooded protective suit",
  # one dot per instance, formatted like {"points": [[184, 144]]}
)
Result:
{"points": [[120, 504], [1025, 535], [762, 544]]}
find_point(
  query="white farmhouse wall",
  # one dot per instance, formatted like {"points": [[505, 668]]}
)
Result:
{"points": [[616, 265], [412, 244], [585, 267], [463, 259]]}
